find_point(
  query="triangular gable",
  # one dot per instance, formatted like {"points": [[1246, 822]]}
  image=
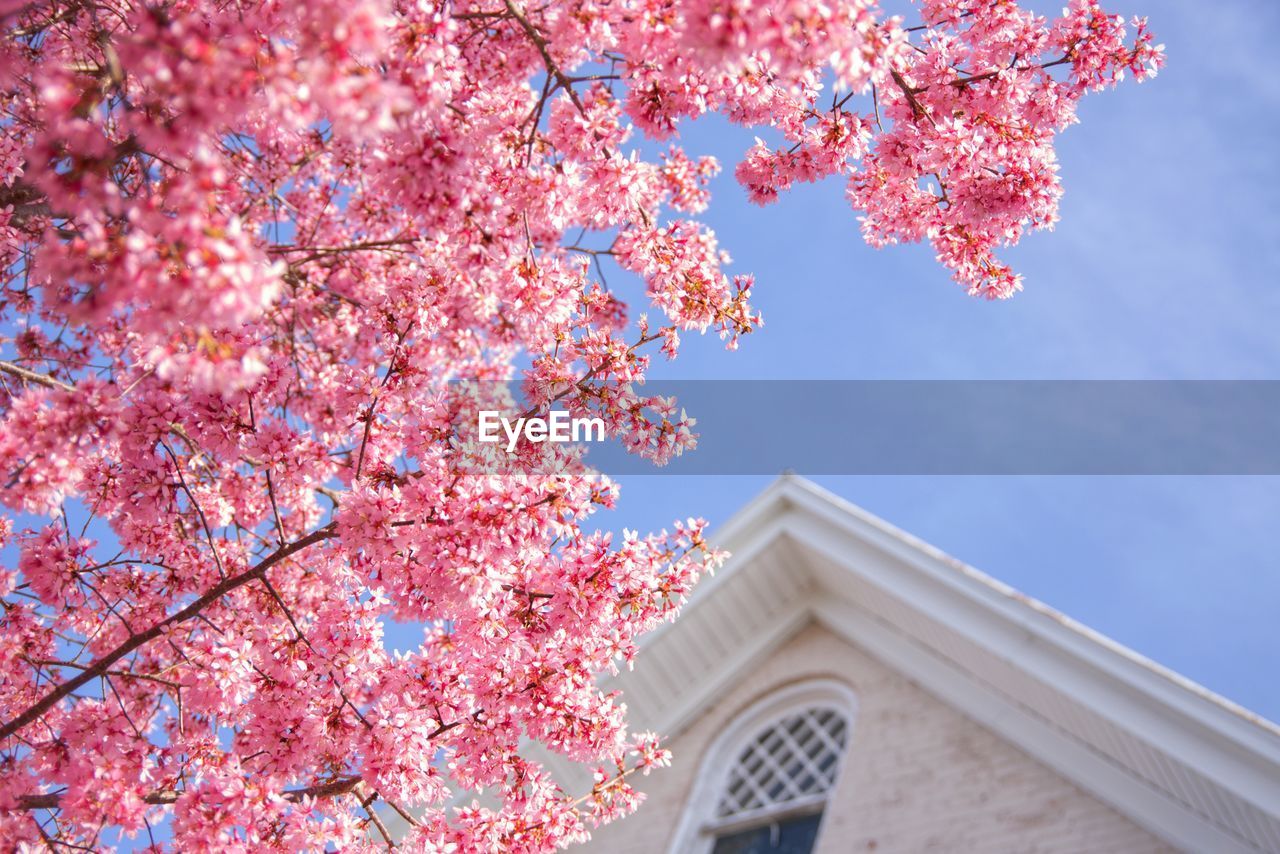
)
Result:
{"points": [[1189, 766]]}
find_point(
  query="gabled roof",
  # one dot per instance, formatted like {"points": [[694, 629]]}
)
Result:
{"points": [[1186, 764]]}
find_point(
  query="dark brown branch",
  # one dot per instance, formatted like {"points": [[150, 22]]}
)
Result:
{"points": [[333, 788], [32, 377], [366, 801], [541, 44], [961, 82], [101, 665], [917, 109], [129, 674], [317, 252]]}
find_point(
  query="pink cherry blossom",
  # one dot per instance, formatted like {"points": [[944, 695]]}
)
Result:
{"points": [[263, 262]]}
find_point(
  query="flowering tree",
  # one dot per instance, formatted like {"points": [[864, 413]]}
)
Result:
{"points": [[245, 246]]}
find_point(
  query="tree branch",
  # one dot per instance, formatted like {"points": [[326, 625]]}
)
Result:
{"points": [[333, 788], [32, 377], [541, 44], [917, 109], [352, 783], [101, 665]]}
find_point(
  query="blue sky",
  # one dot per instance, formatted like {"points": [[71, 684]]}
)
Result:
{"points": [[1165, 266]]}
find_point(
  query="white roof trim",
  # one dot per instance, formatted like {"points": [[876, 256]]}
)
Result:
{"points": [[1193, 768]]}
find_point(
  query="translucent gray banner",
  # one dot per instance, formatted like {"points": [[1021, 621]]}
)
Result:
{"points": [[951, 428]]}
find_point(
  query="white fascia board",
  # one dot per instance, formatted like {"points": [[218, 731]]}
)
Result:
{"points": [[1097, 774], [806, 497], [1239, 753]]}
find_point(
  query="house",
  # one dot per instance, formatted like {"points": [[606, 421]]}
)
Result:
{"points": [[840, 686]]}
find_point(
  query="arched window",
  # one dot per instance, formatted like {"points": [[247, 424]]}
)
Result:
{"points": [[765, 781]]}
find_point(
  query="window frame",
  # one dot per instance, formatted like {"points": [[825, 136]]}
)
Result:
{"points": [[698, 826]]}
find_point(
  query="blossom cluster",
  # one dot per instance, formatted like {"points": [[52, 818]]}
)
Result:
{"points": [[261, 263]]}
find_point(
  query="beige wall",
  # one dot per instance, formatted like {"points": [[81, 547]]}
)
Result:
{"points": [[918, 776]]}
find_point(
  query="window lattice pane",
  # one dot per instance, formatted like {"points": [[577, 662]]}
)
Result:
{"points": [[796, 757]]}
